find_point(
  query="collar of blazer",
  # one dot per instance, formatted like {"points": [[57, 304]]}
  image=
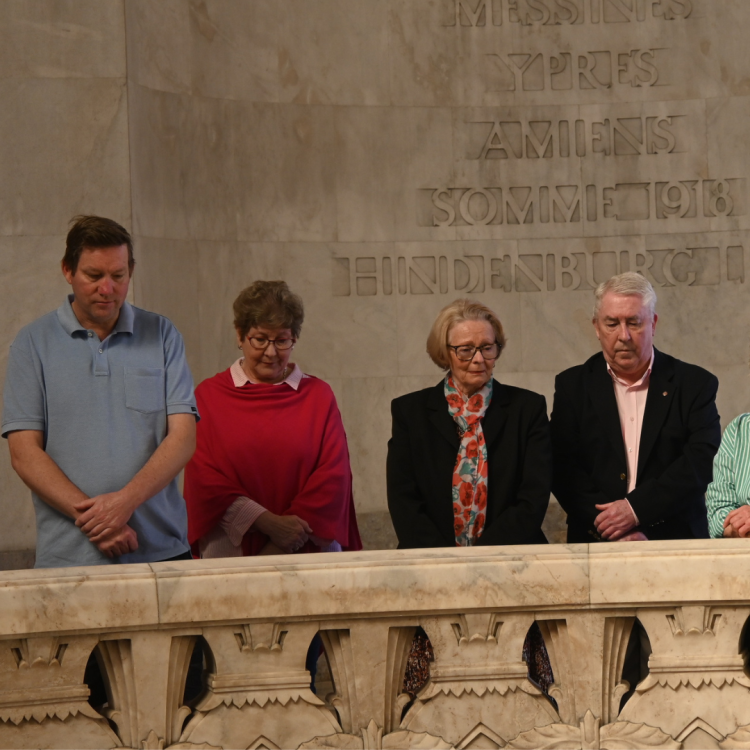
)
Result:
{"points": [[493, 419], [660, 393]]}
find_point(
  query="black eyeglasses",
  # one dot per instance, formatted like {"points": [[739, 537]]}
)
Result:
{"points": [[466, 353], [261, 342]]}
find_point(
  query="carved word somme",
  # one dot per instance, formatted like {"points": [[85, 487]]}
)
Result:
{"points": [[527, 204]]}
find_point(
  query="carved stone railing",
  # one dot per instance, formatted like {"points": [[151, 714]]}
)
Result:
{"points": [[257, 618]]}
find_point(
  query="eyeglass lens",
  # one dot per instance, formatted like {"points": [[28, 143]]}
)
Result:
{"points": [[467, 352], [262, 343]]}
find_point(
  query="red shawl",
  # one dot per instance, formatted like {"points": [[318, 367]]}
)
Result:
{"points": [[283, 448]]}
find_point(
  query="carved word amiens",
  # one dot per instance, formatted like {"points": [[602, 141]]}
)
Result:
{"points": [[616, 136], [672, 265], [637, 201], [489, 13]]}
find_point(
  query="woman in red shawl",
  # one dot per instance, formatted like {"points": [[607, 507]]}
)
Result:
{"points": [[271, 472]]}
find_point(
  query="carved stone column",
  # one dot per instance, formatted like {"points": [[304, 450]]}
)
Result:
{"points": [[587, 651], [367, 661], [43, 699], [478, 689], [259, 694], [145, 678], [696, 671]]}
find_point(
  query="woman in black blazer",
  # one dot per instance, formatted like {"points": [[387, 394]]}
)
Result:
{"points": [[443, 491]]}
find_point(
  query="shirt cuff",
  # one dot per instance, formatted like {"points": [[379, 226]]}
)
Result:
{"points": [[326, 545], [217, 544], [22, 425], [239, 517], [183, 407], [637, 522]]}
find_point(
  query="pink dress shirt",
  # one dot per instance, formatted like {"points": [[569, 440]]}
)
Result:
{"points": [[225, 539], [631, 404]]}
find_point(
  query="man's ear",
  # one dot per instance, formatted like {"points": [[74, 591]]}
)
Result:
{"points": [[653, 325], [67, 273]]}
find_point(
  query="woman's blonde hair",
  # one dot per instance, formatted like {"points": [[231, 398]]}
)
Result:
{"points": [[457, 312]]}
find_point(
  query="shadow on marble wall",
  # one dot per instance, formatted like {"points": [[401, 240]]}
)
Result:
{"points": [[17, 559], [377, 531]]}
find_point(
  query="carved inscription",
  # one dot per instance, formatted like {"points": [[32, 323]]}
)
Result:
{"points": [[539, 139], [489, 13], [669, 264], [580, 71], [562, 204]]}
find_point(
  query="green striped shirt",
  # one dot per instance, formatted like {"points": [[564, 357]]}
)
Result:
{"points": [[731, 485]]}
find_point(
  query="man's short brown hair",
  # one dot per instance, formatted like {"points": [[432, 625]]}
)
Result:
{"points": [[94, 232]]}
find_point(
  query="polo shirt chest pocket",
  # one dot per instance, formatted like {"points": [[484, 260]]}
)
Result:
{"points": [[144, 389]]}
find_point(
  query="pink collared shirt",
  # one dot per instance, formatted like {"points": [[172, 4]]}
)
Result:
{"points": [[631, 405], [225, 539], [240, 378]]}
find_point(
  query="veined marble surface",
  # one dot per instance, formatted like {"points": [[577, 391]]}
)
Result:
{"points": [[255, 619]]}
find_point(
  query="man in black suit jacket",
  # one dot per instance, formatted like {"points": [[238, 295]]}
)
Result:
{"points": [[634, 431]]}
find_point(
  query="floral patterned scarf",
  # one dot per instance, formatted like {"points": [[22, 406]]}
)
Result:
{"points": [[470, 471]]}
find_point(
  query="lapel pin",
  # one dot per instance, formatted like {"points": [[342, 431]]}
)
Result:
{"points": [[664, 394]]}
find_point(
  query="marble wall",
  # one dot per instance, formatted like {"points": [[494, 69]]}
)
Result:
{"points": [[64, 150], [385, 157]]}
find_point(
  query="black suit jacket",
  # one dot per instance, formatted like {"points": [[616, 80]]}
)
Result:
{"points": [[679, 438], [422, 454]]}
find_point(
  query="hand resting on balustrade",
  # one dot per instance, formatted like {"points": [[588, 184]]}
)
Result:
{"points": [[618, 522]]}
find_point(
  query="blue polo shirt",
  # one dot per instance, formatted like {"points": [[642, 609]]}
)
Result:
{"points": [[103, 408]]}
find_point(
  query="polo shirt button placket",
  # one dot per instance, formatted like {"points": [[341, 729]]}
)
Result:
{"points": [[102, 365]]}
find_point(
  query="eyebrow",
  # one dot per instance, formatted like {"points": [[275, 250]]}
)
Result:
{"points": [[99, 270]]}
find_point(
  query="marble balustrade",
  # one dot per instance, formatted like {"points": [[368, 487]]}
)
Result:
{"points": [[257, 618]]}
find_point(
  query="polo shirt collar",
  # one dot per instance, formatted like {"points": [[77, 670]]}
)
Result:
{"points": [[125, 320], [71, 324]]}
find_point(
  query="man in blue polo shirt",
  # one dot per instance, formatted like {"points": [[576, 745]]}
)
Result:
{"points": [[99, 414]]}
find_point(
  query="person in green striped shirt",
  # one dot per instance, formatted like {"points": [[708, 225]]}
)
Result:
{"points": [[728, 496]]}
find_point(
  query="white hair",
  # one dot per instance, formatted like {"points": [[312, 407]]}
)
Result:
{"points": [[628, 283]]}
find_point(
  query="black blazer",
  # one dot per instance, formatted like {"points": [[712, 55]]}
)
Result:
{"points": [[422, 454], [679, 438]]}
